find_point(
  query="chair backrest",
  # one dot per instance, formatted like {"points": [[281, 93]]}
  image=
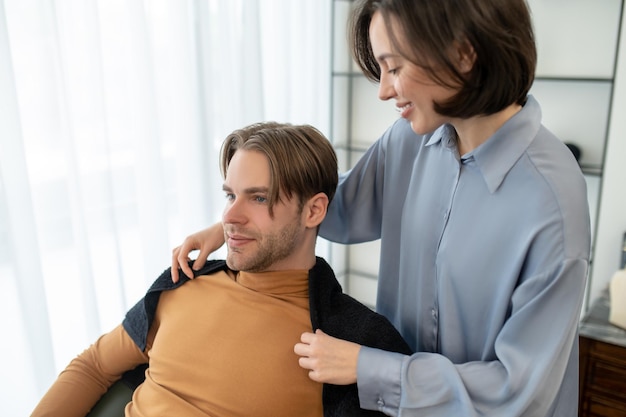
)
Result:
{"points": [[113, 402]]}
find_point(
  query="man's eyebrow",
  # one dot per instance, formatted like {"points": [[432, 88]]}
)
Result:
{"points": [[249, 190]]}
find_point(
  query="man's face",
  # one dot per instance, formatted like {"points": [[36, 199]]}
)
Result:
{"points": [[257, 242]]}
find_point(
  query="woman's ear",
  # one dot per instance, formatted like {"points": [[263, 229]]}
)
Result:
{"points": [[465, 55], [314, 210]]}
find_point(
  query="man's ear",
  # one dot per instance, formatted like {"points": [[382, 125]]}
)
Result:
{"points": [[314, 210]]}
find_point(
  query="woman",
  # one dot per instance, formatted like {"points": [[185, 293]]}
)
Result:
{"points": [[482, 215]]}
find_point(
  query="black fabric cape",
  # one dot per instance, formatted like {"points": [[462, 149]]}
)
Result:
{"points": [[336, 313]]}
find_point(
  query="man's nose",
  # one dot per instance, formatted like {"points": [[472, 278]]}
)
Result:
{"points": [[234, 212]]}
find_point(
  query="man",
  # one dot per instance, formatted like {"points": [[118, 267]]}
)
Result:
{"points": [[223, 343]]}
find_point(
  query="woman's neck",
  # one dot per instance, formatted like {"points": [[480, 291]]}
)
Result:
{"points": [[473, 132]]}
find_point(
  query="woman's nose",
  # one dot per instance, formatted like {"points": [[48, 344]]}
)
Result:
{"points": [[386, 89]]}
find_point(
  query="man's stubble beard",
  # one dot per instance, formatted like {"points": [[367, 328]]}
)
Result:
{"points": [[268, 250]]}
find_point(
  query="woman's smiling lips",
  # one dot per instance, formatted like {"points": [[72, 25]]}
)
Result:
{"points": [[404, 109]]}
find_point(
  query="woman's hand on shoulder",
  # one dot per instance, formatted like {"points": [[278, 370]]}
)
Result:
{"points": [[206, 241]]}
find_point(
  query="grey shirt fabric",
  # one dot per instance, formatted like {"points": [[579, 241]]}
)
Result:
{"points": [[483, 267]]}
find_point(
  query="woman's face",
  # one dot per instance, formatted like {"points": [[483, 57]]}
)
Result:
{"points": [[408, 84]]}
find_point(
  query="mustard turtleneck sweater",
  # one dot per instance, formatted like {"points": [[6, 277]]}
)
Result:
{"points": [[220, 345]]}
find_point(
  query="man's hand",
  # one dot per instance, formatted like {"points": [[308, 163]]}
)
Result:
{"points": [[206, 241], [330, 360]]}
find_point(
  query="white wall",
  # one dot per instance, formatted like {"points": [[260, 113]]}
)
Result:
{"points": [[612, 208]]}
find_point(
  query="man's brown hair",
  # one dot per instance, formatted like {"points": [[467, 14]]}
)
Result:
{"points": [[302, 160]]}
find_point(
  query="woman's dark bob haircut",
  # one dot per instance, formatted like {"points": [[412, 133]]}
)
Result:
{"points": [[499, 31]]}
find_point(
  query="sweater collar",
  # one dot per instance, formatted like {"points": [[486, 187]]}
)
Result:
{"points": [[294, 283]]}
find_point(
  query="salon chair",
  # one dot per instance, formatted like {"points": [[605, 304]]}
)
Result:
{"points": [[114, 401]]}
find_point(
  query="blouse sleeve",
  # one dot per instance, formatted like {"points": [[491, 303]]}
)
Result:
{"points": [[534, 357], [355, 213]]}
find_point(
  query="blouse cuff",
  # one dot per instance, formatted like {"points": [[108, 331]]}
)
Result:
{"points": [[379, 376]]}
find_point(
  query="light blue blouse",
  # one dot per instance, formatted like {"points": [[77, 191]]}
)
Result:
{"points": [[483, 266]]}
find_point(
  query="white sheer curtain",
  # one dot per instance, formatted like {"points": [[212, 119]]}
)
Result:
{"points": [[111, 117]]}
